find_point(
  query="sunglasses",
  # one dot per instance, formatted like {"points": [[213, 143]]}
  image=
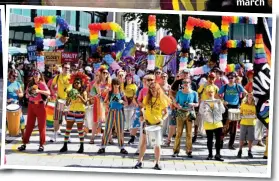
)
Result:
{"points": [[157, 72], [150, 80], [36, 74], [164, 77], [230, 78], [77, 83], [185, 82], [67, 68]]}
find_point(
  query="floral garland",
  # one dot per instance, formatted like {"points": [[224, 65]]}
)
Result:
{"points": [[61, 32]]}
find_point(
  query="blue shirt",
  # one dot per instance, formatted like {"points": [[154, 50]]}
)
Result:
{"points": [[184, 98], [114, 104], [11, 90], [232, 93]]}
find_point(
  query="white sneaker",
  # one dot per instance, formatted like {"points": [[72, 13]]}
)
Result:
{"points": [[59, 132], [53, 138]]}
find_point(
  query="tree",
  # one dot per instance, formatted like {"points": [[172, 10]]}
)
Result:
{"points": [[169, 22]]}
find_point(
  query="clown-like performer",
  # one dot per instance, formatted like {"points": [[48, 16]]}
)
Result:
{"points": [[77, 99], [116, 101]]}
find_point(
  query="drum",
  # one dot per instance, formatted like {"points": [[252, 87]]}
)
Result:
{"points": [[153, 135], [50, 113], [61, 104], [89, 117], [234, 115], [13, 119], [128, 112]]}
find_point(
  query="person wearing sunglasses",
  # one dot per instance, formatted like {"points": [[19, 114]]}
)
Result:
{"points": [[61, 83], [185, 102], [231, 93], [14, 93], [37, 93], [116, 100], [155, 106], [158, 73], [202, 91], [76, 101]]}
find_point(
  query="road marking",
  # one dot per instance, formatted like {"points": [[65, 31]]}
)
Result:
{"points": [[107, 157]]}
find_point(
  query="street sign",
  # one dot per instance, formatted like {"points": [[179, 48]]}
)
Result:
{"points": [[31, 51]]}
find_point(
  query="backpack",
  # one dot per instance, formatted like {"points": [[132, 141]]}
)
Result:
{"points": [[238, 91]]}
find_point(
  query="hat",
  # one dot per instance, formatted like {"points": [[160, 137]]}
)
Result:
{"points": [[212, 75], [232, 74]]}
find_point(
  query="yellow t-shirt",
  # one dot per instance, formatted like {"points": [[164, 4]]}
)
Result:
{"points": [[63, 85], [246, 109], [212, 126], [130, 90], [203, 90], [122, 87], [155, 114], [77, 105]]}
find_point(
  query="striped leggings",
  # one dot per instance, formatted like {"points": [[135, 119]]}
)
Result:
{"points": [[115, 119], [71, 118]]}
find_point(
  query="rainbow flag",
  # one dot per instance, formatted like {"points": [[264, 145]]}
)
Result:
{"points": [[129, 49]]}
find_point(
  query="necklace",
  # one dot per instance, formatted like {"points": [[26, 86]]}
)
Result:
{"points": [[152, 104]]}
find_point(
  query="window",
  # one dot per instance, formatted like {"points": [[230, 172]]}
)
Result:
{"points": [[39, 12], [242, 31], [26, 12], [73, 18], [85, 20], [17, 11]]}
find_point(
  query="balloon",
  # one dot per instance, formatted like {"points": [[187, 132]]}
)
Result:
{"points": [[168, 45]]}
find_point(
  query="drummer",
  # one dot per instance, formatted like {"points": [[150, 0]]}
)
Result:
{"points": [[14, 92], [155, 106], [36, 93], [61, 83], [185, 102], [231, 92]]}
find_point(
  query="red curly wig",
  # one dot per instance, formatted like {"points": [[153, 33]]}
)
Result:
{"points": [[79, 75]]}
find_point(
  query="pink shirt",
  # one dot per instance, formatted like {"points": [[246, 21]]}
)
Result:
{"points": [[143, 92], [41, 86]]}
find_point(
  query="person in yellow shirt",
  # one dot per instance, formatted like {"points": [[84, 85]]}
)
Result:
{"points": [[211, 111], [61, 83], [76, 100], [247, 123], [130, 90], [202, 91], [155, 106]]}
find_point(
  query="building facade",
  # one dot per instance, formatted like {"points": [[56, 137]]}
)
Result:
{"points": [[21, 32]]}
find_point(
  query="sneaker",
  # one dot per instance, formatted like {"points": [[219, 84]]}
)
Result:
{"points": [[175, 155], [189, 154], [137, 152], [239, 154], [265, 157], [250, 155], [157, 167], [219, 158], [131, 141], [167, 143], [260, 143], [138, 165], [210, 157]]}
